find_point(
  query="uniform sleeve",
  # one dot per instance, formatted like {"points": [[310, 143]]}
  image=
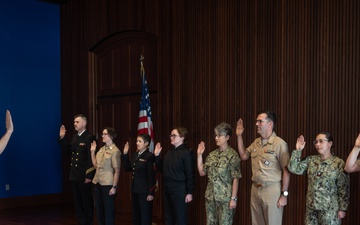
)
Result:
{"points": [[235, 166], [205, 164], [65, 145], [158, 164], [189, 166], [343, 184], [295, 165], [126, 162], [151, 175], [284, 155], [90, 170], [115, 159]]}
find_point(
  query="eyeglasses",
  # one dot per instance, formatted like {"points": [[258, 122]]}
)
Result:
{"points": [[260, 121], [219, 135], [104, 134], [320, 141], [173, 135]]}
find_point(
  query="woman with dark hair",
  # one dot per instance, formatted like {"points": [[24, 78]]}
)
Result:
{"points": [[328, 186], [143, 179], [107, 164], [178, 170], [222, 167]]}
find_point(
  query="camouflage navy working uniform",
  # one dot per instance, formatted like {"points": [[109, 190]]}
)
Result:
{"points": [[221, 168], [328, 187]]}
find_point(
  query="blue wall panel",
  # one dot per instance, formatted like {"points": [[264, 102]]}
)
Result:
{"points": [[30, 89]]}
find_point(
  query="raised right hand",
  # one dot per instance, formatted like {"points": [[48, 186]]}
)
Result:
{"points": [[201, 148], [300, 143], [62, 131], [126, 148], [93, 146], [239, 127], [9, 123], [157, 149]]}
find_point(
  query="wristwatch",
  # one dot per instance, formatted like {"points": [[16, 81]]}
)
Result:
{"points": [[285, 193], [234, 198]]}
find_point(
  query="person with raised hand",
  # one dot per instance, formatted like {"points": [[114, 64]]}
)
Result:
{"points": [[353, 163], [143, 180], [327, 197], [81, 170], [107, 164], [9, 130], [222, 167], [178, 168], [270, 177]]}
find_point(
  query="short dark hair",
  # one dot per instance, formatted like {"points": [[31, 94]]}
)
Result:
{"points": [[82, 116], [145, 137], [328, 136], [112, 132], [269, 114], [182, 133]]}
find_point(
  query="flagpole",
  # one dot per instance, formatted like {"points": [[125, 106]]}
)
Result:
{"points": [[141, 66], [145, 121]]}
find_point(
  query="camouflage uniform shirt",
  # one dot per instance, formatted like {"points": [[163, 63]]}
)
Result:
{"points": [[328, 185], [221, 168]]}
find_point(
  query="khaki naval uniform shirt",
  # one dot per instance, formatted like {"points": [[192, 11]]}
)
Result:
{"points": [[267, 159], [107, 158]]}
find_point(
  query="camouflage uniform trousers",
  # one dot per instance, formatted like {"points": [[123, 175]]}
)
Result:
{"points": [[218, 213], [321, 217]]}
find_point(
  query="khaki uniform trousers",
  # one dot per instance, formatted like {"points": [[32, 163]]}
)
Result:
{"points": [[263, 203]]}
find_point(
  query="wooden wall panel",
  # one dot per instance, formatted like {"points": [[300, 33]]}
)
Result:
{"points": [[218, 61], [117, 84]]}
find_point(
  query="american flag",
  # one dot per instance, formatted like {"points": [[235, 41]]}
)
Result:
{"points": [[145, 122]]}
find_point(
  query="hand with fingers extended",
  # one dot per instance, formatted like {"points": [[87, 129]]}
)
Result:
{"points": [[300, 143], [157, 149], [62, 131], [126, 148], [9, 123], [9, 129], [239, 127], [201, 148], [93, 146]]}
